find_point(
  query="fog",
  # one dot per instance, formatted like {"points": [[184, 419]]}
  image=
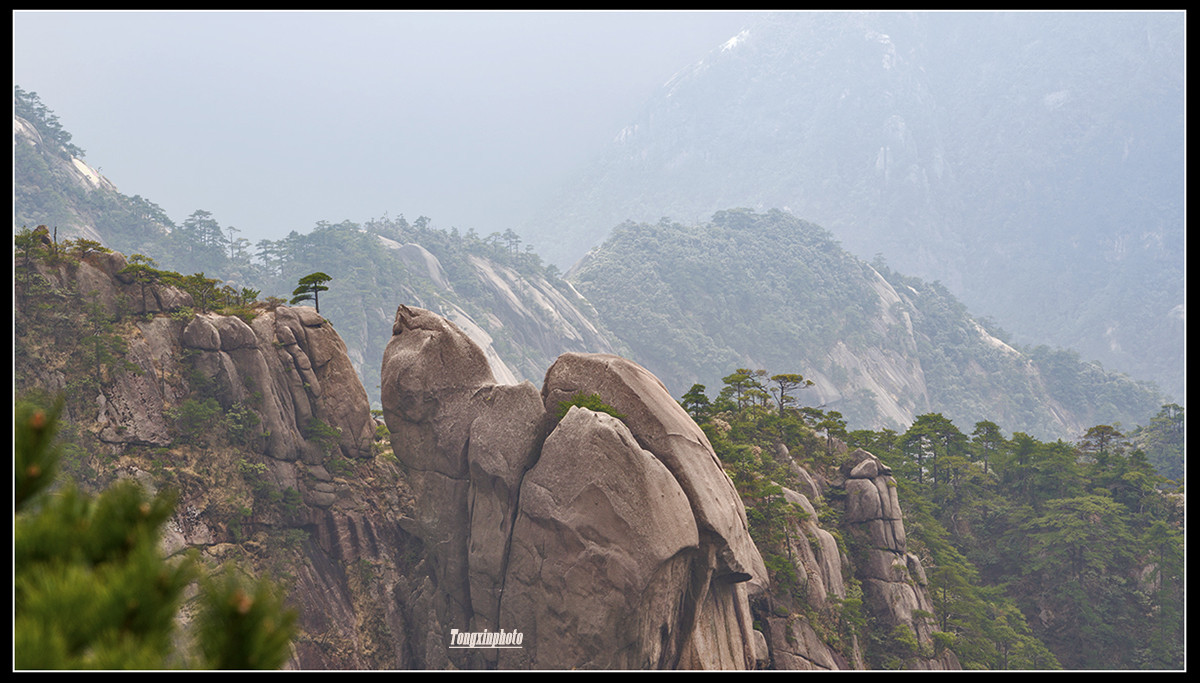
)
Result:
{"points": [[273, 121]]}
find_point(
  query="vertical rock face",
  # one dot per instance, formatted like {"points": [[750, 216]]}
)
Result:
{"points": [[292, 367], [604, 542], [794, 642], [893, 580]]}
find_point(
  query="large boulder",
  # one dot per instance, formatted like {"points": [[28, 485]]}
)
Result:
{"points": [[605, 542], [602, 553], [431, 375], [664, 428]]}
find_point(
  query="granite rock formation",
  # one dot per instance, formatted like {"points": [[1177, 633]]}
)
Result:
{"points": [[895, 587], [605, 542]]}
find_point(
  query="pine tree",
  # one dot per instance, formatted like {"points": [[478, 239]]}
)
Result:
{"points": [[92, 590], [310, 288]]}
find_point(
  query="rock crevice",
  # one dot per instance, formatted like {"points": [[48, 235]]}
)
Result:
{"points": [[608, 543]]}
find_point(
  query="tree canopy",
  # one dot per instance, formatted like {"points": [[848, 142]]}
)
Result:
{"points": [[310, 288], [92, 589]]}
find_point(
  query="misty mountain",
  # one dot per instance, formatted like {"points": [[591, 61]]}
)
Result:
{"points": [[745, 290], [1031, 162], [515, 308], [769, 291]]}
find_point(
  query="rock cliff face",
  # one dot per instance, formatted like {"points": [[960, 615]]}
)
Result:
{"points": [[292, 365], [894, 583], [801, 628], [275, 499], [287, 365], [793, 640], [605, 542]]}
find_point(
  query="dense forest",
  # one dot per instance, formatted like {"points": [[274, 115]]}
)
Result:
{"points": [[1039, 554], [750, 288]]}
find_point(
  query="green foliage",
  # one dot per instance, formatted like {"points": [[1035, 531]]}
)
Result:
{"points": [[323, 434], [241, 424], [592, 402], [29, 106], [243, 625], [310, 289], [1163, 441], [35, 449], [193, 420], [339, 466], [141, 269], [693, 301], [1013, 530], [1009, 530], [696, 403], [746, 428], [92, 591]]}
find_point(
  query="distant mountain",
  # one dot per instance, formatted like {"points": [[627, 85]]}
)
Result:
{"points": [[1031, 162], [769, 291], [519, 311], [693, 304], [54, 186]]}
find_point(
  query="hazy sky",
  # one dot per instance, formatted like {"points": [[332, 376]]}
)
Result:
{"points": [[273, 121]]}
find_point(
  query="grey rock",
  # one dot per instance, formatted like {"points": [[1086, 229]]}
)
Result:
{"points": [[601, 540], [665, 429]]}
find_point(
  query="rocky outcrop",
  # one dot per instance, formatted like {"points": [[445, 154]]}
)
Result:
{"points": [[605, 542], [895, 589], [793, 640], [292, 369], [287, 365], [294, 489]]}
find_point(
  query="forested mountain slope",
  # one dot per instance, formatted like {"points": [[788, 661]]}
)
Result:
{"points": [[1031, 162], [693, 304], [769, 291]]}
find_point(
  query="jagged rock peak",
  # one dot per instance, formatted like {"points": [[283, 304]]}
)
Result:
{"points": [[607, 542]]}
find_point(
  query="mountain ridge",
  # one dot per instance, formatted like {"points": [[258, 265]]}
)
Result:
{"points": [[1040, 179], [337, 508], [769, 291], [524, 314]]}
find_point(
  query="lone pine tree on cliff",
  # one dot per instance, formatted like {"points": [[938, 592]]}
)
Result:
{"points": [[311, 286]]}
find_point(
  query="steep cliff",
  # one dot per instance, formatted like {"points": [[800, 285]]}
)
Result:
{"points": [[810, 628], [261, 426], [636, 557], [609, 538]]}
